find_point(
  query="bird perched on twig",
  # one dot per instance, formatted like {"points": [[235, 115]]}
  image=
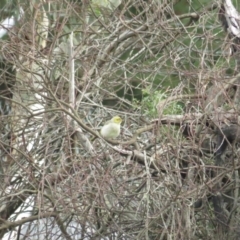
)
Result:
{"points": [[111, 128]]}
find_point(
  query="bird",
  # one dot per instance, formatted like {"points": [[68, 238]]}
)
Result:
{"points": [[111, 128]]}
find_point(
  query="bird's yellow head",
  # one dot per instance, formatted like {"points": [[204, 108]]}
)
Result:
{"points": [[116, 119]]}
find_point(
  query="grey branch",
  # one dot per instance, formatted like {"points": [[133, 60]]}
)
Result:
{"points": [[230, 19]]}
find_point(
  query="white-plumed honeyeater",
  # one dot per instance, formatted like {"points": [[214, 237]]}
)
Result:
{"points": [[111, 128]]}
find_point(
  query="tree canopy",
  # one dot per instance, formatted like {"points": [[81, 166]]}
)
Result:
{"points": [[169, 69]]}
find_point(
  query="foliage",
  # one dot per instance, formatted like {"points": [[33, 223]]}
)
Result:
{"points": [[151, 99]]}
